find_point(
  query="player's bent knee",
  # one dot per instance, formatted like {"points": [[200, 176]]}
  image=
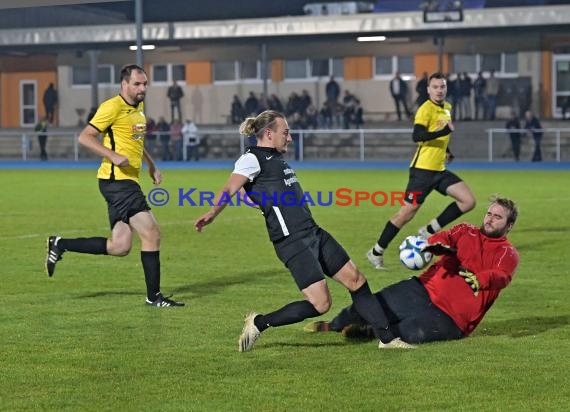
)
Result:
{"points": [[322, 306], [357, 281], [119, 249]]}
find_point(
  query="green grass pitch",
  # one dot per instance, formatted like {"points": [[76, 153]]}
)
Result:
{"points": [[84, 340]]}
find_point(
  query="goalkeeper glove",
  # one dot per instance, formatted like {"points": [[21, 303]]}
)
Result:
{"points": [[471, 279], [439, 249]]}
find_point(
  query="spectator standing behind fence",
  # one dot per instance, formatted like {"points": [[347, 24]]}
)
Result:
{"points": [[251, 105], [236, 112], [150, 139], [421, 90], [479, 86], [453, 94], [513, 125], [465, 86], [163, 129], [533, 125], [565, 106], [399, 92], [332, 90], [50, 101], [347, 109], [41, 129], [175, 94], [275, 103], [296, 125], [176, 139], [191, 140], [491, 92], [358, 118], [325, 116]]}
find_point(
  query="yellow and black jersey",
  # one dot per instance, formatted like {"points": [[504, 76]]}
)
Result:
{"points": [[123, 127], [430, 155]]}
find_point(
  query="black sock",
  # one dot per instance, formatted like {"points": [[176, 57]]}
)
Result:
{"points": [[151, 266], [369, 308], [91, 245], [450, 213], [388, 234], [291, 313]]}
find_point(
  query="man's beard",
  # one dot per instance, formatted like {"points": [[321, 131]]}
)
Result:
{"points": [[494, 233]]}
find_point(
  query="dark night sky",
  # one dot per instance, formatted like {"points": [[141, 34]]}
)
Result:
{"points": [[176, 10], [173, 10], [193, 10]]}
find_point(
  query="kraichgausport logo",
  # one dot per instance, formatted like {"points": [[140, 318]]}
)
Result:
{"points": [[340, 197]]}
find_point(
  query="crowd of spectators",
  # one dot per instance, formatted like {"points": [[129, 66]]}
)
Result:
{"points": [[302, 111]]}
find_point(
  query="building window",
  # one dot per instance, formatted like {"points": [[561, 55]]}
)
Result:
{"points": [[159, 73], [383, 66], [81, 75], [106, 75], [224, 71], [501, 63], [465, 63], [295, 69], [313, 68], [511, 64], [337, 67], [319, 67], [168, 73], [489, 62], [249, 70], [178, 72], [233, 71], [387, 66], [405, 65]]}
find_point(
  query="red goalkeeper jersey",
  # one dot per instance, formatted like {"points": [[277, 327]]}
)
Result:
{"points": [[492, 260]]}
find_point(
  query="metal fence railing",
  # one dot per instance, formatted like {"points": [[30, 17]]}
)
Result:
{"points": [[555, 142], [337, 144]]}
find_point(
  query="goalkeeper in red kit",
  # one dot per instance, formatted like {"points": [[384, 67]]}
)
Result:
{"points": [[449, 299]]}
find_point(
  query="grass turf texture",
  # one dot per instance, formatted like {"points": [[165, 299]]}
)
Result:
{"points": [[84, 340]]}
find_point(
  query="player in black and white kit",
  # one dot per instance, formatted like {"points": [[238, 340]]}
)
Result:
{"points": [[307, 250]]}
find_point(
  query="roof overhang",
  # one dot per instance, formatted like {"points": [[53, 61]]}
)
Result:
{"points": [[408, 23]]}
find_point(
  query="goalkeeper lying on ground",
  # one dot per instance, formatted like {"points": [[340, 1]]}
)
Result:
{"points": [[449, 299]]}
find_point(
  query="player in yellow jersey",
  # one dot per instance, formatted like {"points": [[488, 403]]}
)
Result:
{"points": [[122, 123], [432, 131]]}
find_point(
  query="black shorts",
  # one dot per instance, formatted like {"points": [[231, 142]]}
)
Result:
{"points": [[311, 254], [410, 312], [424, 181], [124, 199]]}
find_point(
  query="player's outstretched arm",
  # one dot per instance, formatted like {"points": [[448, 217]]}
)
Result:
{"points": [[439, 249], [232, 186]]}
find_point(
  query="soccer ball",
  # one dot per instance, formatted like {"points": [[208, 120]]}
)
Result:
{"points": [[411, 255]]}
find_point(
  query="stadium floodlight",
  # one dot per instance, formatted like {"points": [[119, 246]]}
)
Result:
{"points": [[144, 47], [371, 38]]}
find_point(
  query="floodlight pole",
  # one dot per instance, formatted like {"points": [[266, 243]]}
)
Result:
{"points": [[264, 68], [139, 30], [439, 39], [94, 76]]}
